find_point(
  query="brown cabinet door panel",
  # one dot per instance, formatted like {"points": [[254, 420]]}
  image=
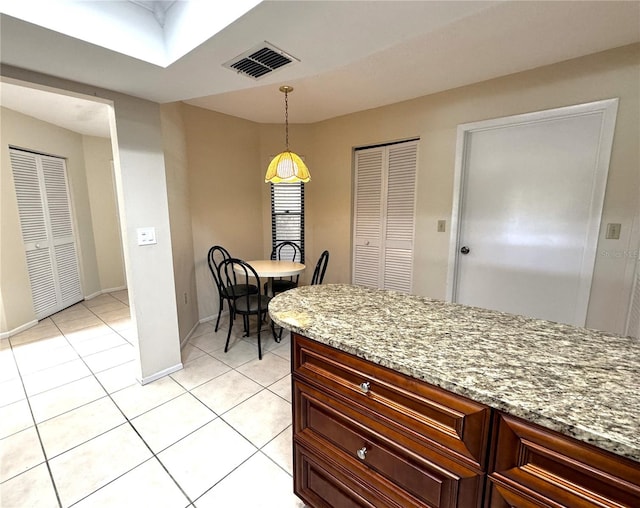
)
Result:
{"points": [[500, 496], [425, 412], [323, 482], [559, 469], [433, 479]]}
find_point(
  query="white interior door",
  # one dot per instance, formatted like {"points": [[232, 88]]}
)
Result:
{"points": [[633, 319], [47, 230], [530, 191]]}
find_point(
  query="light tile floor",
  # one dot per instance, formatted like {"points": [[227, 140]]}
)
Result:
{"points": [[77, 430]]}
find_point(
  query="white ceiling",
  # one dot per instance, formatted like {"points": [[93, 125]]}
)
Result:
{"points": [[354, 55]]}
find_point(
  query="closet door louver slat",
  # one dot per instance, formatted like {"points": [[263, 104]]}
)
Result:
{"points": [[30, 206], [57, 197], [43, 288]]}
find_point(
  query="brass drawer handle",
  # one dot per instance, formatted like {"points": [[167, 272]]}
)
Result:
{"points": [[362, 453], [365, 387]]}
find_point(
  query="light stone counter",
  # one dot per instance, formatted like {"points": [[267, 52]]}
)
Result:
{"points": [[576, 381]]}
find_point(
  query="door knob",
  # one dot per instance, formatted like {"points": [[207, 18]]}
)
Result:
{"points": [[465, 250], [37, 245]]}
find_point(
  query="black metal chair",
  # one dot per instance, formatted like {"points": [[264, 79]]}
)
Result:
{"points": [[215, 257], [236, 274], [321, 267], [289, 251]]}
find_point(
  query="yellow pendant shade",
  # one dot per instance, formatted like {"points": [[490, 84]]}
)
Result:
{"points": [[287, 167]]}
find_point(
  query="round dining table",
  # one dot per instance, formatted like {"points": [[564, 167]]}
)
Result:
{"points": [[271, 268]]}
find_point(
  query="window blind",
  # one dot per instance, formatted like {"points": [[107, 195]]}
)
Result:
{"points": [[287, 214]]}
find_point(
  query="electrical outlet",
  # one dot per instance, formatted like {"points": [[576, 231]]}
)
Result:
{"points": [[613, 231], [442, 226], [146, 236]]}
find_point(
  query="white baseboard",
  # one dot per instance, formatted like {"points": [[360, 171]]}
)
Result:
{"points": [[184, 341], [104, 291], [214, 317], [161, 374], [11, 333], [113, 290], [15, 331]]}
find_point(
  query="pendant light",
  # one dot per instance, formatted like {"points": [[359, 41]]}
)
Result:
{"points": [[287, 167]]}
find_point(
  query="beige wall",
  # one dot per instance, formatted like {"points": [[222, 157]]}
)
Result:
{"points": [[141, 184], [218, 192], [225, 193], [98, 158], [142, 202], [229, 203], [23, 131], [435, 118], [176, 167]]}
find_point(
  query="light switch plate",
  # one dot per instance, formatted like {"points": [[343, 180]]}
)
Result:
{"points": [[146, 236], [442, 226], [613, 231]]}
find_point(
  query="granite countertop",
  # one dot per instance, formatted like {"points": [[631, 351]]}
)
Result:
{"points": [[580, 382]]}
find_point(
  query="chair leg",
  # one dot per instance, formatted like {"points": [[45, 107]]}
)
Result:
{"points": [[246, 324], [259, 345], [226, 345], [220, 312], [273, 332]]}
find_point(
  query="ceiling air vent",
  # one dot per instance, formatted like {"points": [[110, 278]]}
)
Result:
{"points": [[259, 61]]}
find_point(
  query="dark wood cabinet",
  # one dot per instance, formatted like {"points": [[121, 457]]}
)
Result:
{"points": [[369, 436], [411, 444], [533, 466]]}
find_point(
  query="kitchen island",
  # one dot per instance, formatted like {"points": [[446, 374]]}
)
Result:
{"points": [[500, 392]]}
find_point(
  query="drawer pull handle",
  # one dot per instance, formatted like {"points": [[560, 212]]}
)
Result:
{"points": [[365, 386], [362, 453]]}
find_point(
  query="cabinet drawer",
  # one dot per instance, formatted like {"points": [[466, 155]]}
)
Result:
{"points": [[429, 478], [550, 469], [424, 413], [323, 483]]}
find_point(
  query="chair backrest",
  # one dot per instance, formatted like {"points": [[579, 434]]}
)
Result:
{"points": [[321, 267], [288, 251], [235, 275], [215, 257]]}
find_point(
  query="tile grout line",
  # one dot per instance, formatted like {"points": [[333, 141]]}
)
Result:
{"points": [[128, 421], [36, 428], [36, 424]]}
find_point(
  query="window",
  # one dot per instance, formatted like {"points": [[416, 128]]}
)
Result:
{"points": [[287, 214]]}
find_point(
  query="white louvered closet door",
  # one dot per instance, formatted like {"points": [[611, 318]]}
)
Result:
{"points": [[368, 211], [47, 231], [384, 216]]}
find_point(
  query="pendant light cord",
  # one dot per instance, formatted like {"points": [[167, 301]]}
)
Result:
{"points": [[286, 119]]}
